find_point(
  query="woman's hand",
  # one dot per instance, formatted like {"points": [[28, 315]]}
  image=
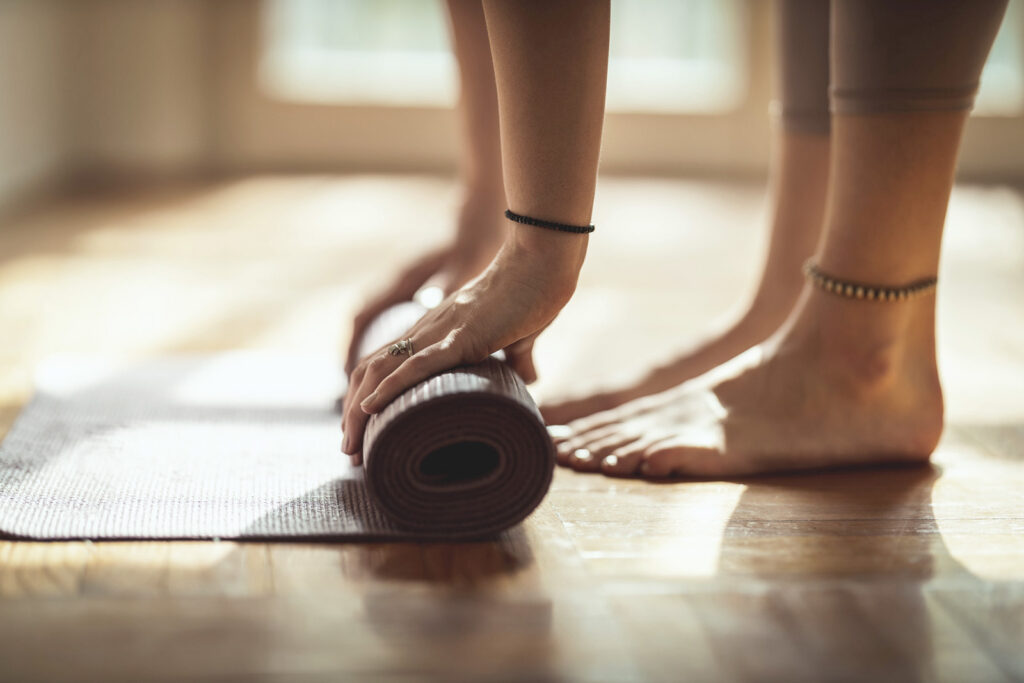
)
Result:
{"points": [[520, 293], [447, 268], [409, 281]]}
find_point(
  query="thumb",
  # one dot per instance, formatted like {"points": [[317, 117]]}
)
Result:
{"points": [[519, 357]]}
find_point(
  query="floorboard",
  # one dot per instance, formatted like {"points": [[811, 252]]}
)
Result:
{"points": [[887, 574]]}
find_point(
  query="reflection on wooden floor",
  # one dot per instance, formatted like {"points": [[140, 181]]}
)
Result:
{"points": [[895, 574]]}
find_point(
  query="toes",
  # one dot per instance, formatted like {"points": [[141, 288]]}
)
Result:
{"points": [[626, 460], [662, 461], [605, 446], [567, 446], [655, 467], [588, 440], [585, 431], [659, 462], [582, 460], [565, 450], [607, 453], [559, 432], [621, 463]]}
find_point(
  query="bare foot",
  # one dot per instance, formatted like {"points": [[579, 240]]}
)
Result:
{"points": [[816, 395], [754, 327], [799, 182]]}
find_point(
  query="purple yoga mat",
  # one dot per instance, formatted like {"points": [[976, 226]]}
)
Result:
{"points": [[464, 453], [247, 445]]}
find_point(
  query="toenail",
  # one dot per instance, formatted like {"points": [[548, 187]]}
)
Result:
{"points": [[559, 431], [583, 455], [611, 461]]}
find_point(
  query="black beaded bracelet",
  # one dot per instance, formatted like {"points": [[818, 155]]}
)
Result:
{"points": [[550, 225]]}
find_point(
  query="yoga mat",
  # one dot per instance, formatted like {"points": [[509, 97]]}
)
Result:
{"points": [[232, 445], [246, 446], [464, 453]]}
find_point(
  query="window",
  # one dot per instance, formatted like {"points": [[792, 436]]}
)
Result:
{"points": [[667, 55], [1002, 81], [391, 52]]}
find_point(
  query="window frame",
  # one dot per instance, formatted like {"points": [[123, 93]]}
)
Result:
{"points": [[257, 131]]}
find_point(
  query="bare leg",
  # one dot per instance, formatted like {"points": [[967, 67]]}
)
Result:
{"points": [[550, 63], [479, 228], [551, 68], [846, 381], [479, 231], [799, 180]]}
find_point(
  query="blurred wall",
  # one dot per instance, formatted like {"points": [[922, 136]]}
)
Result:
{"points": [[33, 143], [259, 131], [99, 91], [140, 83]]}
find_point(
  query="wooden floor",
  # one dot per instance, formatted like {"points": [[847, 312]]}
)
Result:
{"points": [[884, 575]]}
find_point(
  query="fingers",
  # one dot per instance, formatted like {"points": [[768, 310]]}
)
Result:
{"points": [[404, 287], [415, 369], [381, 377], [365, 379], [355, 378], [520, 358], [497, 311]]}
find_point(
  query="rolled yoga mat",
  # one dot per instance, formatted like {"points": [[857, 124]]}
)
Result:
{"points": [[246, 445], [464, 453]]}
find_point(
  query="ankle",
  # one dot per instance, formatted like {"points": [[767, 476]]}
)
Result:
{"points": [[869, 348], [874, 361]]}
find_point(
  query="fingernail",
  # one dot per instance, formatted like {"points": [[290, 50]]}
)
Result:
{"points": [[611, 461], [344, 444], [559, 431], [645, 469], [583, 455], [368, 401]]}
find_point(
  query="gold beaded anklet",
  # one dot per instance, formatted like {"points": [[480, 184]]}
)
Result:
{"points": [[854, 290]]}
